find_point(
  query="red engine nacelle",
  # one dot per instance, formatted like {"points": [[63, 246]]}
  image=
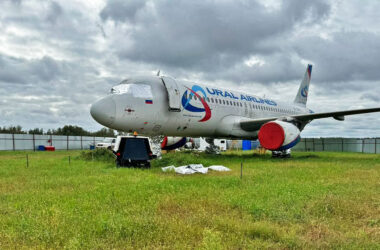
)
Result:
{"points": [[279, 135], [170, 143]]}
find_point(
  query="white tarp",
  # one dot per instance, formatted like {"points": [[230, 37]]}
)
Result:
{"points": [[219, 168], [194, 168], [168, 168]]}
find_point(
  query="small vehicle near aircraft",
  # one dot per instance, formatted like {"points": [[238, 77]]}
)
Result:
{"points": [[133, 151], [107, 143]]}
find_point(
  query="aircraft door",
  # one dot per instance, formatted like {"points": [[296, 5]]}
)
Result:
{"points": [[173, 94]]}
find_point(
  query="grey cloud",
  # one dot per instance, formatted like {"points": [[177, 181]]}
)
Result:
{"points": [[208, 36], [55, 11], [122, 11], [347, 56], [22, 71], [371, 96]]}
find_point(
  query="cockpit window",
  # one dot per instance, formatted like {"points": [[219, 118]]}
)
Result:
{"points": [[137, 90]]}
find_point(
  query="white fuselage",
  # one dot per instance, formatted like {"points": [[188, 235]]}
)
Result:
{"points": [[144, 107]]}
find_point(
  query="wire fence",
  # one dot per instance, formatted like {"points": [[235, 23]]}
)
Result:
{"points": [[32, 142], [360, 145], [60, 142]]}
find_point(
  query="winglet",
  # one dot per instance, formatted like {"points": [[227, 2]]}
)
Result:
{"points": [[303, 91]]}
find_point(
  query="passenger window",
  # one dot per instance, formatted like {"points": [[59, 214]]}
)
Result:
{"points": [[224, 102], [195, 97]]}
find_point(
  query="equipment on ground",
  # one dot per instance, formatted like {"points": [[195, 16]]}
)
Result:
{"points": [[133, 151]]}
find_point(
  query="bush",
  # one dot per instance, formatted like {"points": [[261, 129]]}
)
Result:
{"points": [[99, 154]]}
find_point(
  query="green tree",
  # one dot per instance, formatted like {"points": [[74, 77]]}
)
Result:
{"points": [[36, 131]]}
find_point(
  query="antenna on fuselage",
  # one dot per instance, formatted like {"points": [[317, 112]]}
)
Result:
{"points": [[158, 72]]}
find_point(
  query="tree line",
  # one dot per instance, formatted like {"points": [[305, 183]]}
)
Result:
{"points": [[65, 130]]}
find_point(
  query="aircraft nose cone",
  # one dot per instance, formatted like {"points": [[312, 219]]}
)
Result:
{"points": [[104, 111]]}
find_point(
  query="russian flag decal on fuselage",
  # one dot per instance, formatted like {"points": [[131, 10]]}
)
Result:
{"points": [[148, 102]]}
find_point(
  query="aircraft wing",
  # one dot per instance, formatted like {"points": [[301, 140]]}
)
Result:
{"points": [[255, 124]]}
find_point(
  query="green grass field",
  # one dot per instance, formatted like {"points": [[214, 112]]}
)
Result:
{"points": [[313, 200]]}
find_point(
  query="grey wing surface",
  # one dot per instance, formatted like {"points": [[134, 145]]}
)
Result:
{"points": [[255, 124]]}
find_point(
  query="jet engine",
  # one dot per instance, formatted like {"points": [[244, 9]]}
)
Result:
{"points": [[170, 143], [278, 135]]}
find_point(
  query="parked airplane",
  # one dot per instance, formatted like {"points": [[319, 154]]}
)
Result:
{"points": [[161, 105]]}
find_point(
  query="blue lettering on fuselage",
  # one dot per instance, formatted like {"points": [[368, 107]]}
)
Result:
{"points": [[248, 98], [211, 93], [219, 92], [226, 94]]}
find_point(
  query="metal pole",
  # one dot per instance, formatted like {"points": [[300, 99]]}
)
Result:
{"points": [[241, 170], [27, 161], [34, 143], [313, 144], [67, 142], [51, 140], [13, 140], [323, 144], [342, 145], [375, 145], [362, 145], [81, 142]]}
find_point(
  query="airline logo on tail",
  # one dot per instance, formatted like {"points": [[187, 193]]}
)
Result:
{"points": [[309, 70], [304, 91], [187, 98]]}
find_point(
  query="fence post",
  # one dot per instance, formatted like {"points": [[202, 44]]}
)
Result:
{"points": [[13, 140], [51, 140], [323, 144], [313, 144], [375, 145], [362, 145], [342, 145], [67, 142], [34, 143], [305, 145], [81, 142]]}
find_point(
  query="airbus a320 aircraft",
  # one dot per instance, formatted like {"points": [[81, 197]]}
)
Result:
{"points": [[160, 105]]}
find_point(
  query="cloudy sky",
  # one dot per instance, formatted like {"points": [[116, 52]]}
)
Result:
{"points": [[58, 57]]}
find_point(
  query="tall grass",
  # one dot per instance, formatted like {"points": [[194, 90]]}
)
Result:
{"points": [[313, 200]]}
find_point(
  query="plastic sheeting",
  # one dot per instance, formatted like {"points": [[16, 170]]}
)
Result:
{"points": [[137, 90], [194, 168], [219, 168]]}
